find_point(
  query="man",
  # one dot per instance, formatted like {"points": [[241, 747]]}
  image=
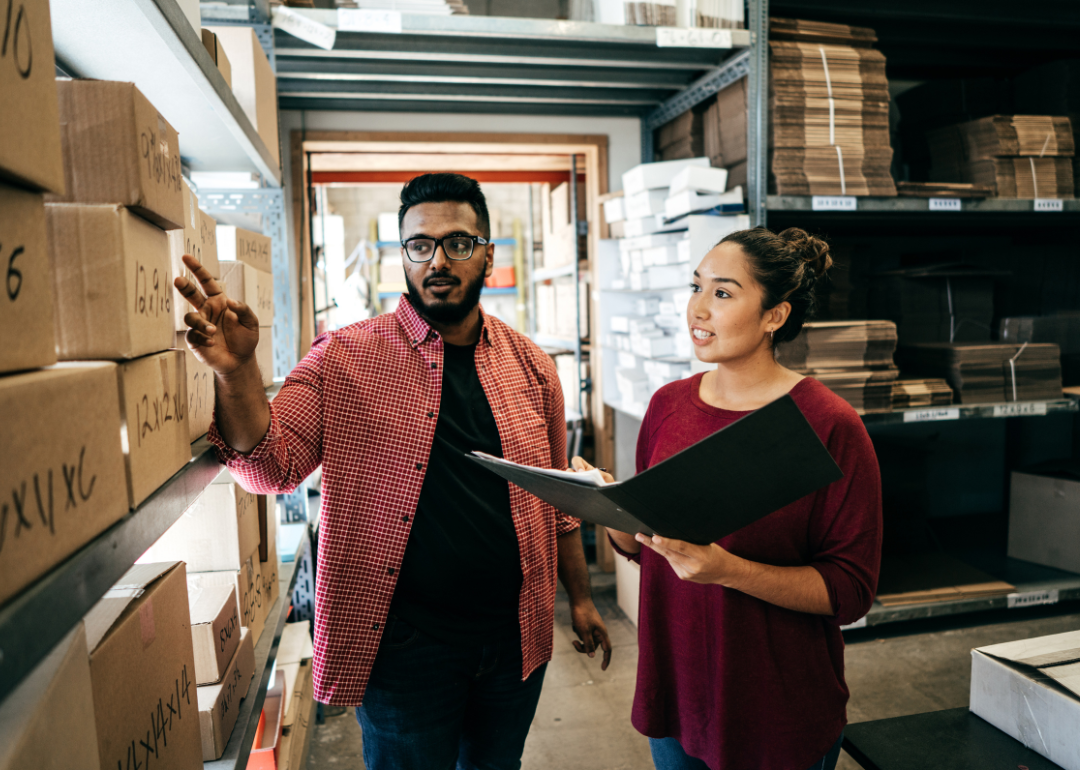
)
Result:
{"points": [[436, 582]]}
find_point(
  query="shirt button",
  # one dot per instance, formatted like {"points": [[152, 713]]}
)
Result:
{"points": [[430, 414], [419, 466], [405, 518], [433, 365], [374, 626], [390, 570]]}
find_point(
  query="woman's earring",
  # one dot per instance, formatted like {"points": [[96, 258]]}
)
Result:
{"points": [[771, 331]]}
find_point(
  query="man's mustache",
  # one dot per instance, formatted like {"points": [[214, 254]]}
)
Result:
{"points": [[442, 277]]}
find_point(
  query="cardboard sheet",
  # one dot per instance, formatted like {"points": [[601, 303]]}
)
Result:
{"points": [[675, 499]]}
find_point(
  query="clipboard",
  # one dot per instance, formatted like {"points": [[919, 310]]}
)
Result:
{"points": [[760, 463]]}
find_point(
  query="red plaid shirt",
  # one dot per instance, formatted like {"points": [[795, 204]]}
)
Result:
{"points": [[363, 404]]}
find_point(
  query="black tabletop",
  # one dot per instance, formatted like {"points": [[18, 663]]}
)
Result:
{"points": [[954, 739]]}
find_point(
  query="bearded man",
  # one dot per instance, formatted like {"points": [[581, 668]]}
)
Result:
{"points": [[435, 593]]}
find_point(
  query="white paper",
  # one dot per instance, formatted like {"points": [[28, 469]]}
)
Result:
{"points": [[591, 478], [692, 37], [1020, 409], [931, 415], [302, 27], [834, 203], [1049, 204], [361, 20], [945, 204]]}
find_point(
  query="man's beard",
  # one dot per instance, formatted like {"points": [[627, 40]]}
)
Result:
{"points": [[443, 311]]}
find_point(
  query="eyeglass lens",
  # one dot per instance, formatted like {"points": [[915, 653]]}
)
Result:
{"points": [[423, 249]]}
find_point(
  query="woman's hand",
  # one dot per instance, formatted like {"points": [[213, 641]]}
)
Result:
{"points": [[706, 564], [578, 464], [623, 540]]}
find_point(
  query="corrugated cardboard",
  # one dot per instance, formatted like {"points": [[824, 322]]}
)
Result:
{"points": [[1044, 515], [295, 644], [219, 704], [26, 302], [299, 693], [1030, 689], [268, 525], [118, 149], [112, 281], [235, 244], [265, 753], [253, 82], [208, 241], [62, 479], [215, 630], [254, 288], [200, 391], [54, 701], [254, 604], [219, 532], [153, 398], [142, 669], [264, 356], [271, 582], [29, 121], [213, 46]]}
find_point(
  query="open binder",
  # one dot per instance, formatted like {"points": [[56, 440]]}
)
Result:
{"points": [[738, 475]]}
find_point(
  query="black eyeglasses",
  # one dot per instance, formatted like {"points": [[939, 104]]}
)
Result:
{"points": [[456, 247]]}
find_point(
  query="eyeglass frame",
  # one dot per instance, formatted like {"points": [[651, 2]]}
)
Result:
{"points": [[477, 240]]}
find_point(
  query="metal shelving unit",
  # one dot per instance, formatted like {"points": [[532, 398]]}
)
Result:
{"points": [[151, 44]]}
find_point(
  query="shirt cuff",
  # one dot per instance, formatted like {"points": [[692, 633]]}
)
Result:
{"points": [[232, 458], [631, 556], [565, 524]]}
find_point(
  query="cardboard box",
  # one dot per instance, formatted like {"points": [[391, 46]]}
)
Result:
{"points": [[1030, 689], [191, 240], [118, 149], [653, 176], [190, 9], [265, 751], [268, 527], [264, 356], [112, 281], [54, 701], [142, 670], [253, 82], [299, 717], [295, 645], [208, 241], [29, 121], [213, 46], [215, 630], [1044, 515], [63, 468], [254, 288], [26, 304], [219, 704], [200, 391], [248, 580], [153, 399], [235, 244], [219, 532], [271, 581]]}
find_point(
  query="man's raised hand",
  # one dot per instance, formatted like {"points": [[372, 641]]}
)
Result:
{"points": [[223, 332]]}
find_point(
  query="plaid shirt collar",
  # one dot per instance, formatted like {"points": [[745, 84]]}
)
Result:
{"points": [[417, 330]]}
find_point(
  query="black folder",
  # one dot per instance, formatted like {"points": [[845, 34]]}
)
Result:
{"points": [[738, 475]]}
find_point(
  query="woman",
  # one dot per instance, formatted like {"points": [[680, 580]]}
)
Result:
{"points": [[741, 658]]}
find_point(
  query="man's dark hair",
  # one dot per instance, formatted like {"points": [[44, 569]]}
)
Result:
{"points": [[440, 188]]}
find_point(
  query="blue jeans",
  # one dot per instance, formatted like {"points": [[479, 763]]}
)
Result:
{"points": [[668, 754], [436, 706]]}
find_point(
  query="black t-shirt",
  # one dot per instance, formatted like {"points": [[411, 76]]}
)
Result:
{"points": [[461, 574]]}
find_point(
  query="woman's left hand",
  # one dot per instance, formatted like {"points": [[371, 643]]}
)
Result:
{"points": [[706, 564]]}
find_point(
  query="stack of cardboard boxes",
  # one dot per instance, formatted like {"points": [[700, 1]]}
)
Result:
{"points": [[246, 275]]}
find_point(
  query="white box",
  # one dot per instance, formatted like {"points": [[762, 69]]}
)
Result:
{"points": [[662, 255], [388, 227], [700, 179], [627, 360], [668, 277], [650, 240], [614, 210], [1030, 690], [687, 202], [645, 203], [652, 176], [1044, 515], [647, 305], [650, 225]]}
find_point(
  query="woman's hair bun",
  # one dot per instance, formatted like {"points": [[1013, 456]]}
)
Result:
{"points": [[811, 250]]}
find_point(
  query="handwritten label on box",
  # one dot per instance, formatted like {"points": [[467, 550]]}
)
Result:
{"points": [[834, 203], [931, 415], [1049, 204], [305, 29], [1020, 409], [945, 204], [357, 20], [697, 37]]}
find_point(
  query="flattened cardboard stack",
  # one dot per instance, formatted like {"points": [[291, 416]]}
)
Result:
{"points": [[854, 359], [917, 394], [682, 137], [1020, 156], [1062, 329], [724, 132], [658, 13], [949, 302], [1052, 89], [829, 111], [247, 275], [988, 373], [934, 577]]}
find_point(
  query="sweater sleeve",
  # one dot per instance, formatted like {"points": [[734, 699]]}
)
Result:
{"points": [[292, 446], [845, 530]]}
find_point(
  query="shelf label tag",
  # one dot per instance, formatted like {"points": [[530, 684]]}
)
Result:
{"points": [[931, 415], [1020, 409], [860, 623], [692, 37], [300, 26], [359, 20], [945, 204], [834, 203], [1033, 598], [1049, 204]]}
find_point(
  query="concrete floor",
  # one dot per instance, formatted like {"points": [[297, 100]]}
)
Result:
{"points": [[583, 720]]}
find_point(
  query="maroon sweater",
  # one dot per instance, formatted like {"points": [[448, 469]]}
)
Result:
{"points": [[741, 683]]}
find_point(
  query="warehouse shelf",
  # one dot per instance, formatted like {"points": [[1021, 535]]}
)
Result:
{"points": [[238, 749], [1035, 586], [547, 273], [151, 44], [492, 64], [975, 411], [905, 205]]}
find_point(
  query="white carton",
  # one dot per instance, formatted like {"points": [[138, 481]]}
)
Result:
{"points": [[653, 176]]}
